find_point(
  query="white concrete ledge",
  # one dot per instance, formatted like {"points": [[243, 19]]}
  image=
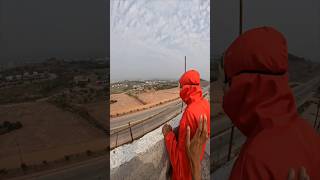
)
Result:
{"points": [[147, 158]]}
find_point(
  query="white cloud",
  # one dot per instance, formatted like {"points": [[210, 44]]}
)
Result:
{"points": [[149, 38]]}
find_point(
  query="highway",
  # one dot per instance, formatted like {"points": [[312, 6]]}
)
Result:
{"points": [[93, 169], [122, 121]]}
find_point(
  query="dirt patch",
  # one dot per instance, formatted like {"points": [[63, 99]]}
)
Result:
{"points": [[44, 137], [99, 111], [125, 104]]}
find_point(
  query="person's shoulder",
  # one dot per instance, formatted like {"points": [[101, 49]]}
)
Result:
{"points": [[200, 101], [188, 111], [280, 142], [204, 100]]}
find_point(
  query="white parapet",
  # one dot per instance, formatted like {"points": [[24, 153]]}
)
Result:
{"points": [[146, 158]]}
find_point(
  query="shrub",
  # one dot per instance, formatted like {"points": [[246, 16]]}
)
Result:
{"points": [[18, 125], [3, 171], [89, 153], [24, 166], [6, 124], [67, 158]]}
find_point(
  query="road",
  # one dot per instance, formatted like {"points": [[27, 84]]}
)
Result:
{"points": [[93, 169], [122, 121]]}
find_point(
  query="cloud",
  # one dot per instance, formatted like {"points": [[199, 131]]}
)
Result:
{"points": [[153, 36]]}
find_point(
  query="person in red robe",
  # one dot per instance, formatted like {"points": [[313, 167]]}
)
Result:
{"points": [[191, 94], [260, 103]]}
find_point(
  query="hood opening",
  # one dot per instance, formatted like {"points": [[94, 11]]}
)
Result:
{"points": [[190, 86]]}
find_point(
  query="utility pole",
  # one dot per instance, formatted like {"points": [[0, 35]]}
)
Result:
{"points": [[185, 63], [20, 152], [315, 121], [185, 70], [240, 32]]}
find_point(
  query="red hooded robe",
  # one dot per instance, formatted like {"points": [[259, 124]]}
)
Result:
{"points": [[191, 94], [261, 105]]}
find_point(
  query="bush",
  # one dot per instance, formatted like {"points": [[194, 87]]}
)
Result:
{"points": [[11, 127], [89, 153], [67, 158], [24, 167], [6, 124], [18, 125], [3, 171]]}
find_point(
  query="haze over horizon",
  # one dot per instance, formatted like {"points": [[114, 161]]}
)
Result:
{"points": [[37, 29], [149, 39]]}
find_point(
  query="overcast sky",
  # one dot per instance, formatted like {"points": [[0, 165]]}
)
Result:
{"points": [[149, 38], [47, 28], [298, 20]]}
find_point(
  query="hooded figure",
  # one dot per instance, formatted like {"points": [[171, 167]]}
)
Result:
{"points": [[191, 94], [261, 105]]}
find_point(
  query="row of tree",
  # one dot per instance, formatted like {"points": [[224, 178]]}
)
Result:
{"points": [[7, 126]]}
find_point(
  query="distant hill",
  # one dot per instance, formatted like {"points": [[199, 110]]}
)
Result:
{"points": [[300, 69]]}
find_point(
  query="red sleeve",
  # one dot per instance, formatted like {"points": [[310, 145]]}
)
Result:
{"points": [[176, 150], [248, 168]]}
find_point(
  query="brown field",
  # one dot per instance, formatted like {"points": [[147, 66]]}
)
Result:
{"points": [[158, 96], [99, 111], [126, 104], [43, 137]]}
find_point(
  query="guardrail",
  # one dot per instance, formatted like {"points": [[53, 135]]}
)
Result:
{"points": [[129, 130]]}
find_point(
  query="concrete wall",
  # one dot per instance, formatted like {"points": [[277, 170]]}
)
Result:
{"points": [[147, 158]]}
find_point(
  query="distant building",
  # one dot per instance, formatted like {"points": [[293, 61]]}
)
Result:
{"points": [[26, 74], [18, 77], [81, 80], [9, 78], [102, 82]]}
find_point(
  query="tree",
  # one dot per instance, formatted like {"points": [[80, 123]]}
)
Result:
{"points": [[6, 124]]}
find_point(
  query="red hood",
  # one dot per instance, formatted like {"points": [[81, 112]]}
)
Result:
{"points": [[190, 83], [259, 96]]}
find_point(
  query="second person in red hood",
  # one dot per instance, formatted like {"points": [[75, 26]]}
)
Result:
{"points": [[191, 94], [261, 105]]}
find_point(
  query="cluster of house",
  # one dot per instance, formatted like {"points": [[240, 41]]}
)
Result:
{"points": [[138, 86], [119, 85], [85, 81], [26, 77]]}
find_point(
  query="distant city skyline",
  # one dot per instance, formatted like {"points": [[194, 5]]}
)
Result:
{"points": [[150, 38]]}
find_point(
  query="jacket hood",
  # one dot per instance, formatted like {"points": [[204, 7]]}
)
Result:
{"points": [[259, 96], [190, 83]]}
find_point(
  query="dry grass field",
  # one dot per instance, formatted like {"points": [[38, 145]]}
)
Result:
{"points": [[99, 111], [43, 137], [127, 104]]}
